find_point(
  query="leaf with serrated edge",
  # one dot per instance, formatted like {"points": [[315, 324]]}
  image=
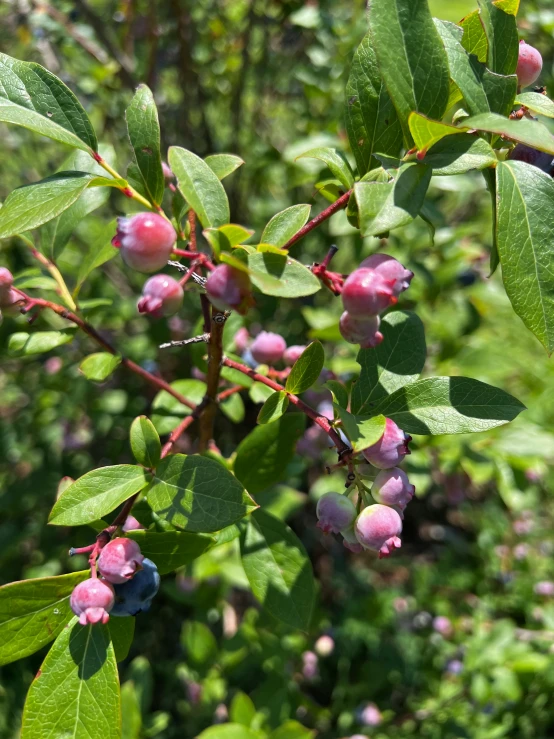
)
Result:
{"points": [[97, 493], [274, 407], [306, 369], [200, 187], [76, 691], [98, 367], [171, 549], [143, 127], [284, 225]]}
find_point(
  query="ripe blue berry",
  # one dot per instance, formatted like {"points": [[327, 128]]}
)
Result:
{"points": [[137, 594]]}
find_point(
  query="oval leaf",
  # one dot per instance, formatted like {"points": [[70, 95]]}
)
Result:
{"points": [[285, 225], [171, 549], [145, 442], [222, 165], [289, 278], [335, 161], [98, 367], [143, 127], [536, 102], [362, 431], [306, 369], [274, 407], [38, 342]]}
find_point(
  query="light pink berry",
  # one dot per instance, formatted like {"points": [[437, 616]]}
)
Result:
{"points": [[241, 340], [119, 560], [229, 289], [366, 292], [92, 600], [268, 348], [146, 241], [378, 527], [6, 281], [335, 512], [132, 524], [529, 64], [324, 646], [392, 487], [161, 296], [292, 354], [442, 625], [390, 269], [391, 448], [168, 173], [362, 331]]}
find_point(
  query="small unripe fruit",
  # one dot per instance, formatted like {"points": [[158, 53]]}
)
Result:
{"points": [[268, 348], [540, 159], [92, 600], [241, 340], [378, 527], [146, 241], [390, 269], [391, 448], [119, 560], [161, 296], [350, 542], [362, 331], [292, 354], [6, 281], [335, 512], [229, 289], [366, 293], [132, 524], [529, 64], [168, 173], [137, 594], [392, 487]]}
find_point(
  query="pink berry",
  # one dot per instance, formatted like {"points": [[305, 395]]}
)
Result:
{"points": [[6, 281], [132, 524], [529, 64], [161, 296], [229, 289], [268, 348], [292, 354], [92, 600], [362, 331], [119, 560], [168, 173], [392, 487], [241, 340], [366, 292], [146, 241], [378, 527], [335, 512], [443, 625], [350, 542], [391, 448], [390, 269]]}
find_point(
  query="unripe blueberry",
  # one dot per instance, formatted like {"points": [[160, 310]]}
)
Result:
{"points": [[119, 560], [241, 340], [146, 241], [349, 540], [6, 281], [132, 524], [529, 64], [137, 594], [540, 159], [378, 527], [168, 173], [391, 269], [161, 296], [292, 354], [335, 513], [392, 487], [92, 600], [268, 348], [391, 448], [229, 289], [362, 331], [366, 293]]}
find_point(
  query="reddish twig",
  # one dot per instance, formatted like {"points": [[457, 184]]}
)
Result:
{"points": [[342, 202]]}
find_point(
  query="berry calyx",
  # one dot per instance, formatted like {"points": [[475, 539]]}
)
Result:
{"points": [[268, 348], [392, 487], [335, 512], [378, 527], [161, 296], [529, 64], [391, 448], [390, 269], [119, 560], [292, 354], [146, 241], [92, 600], [137, 594], [362, 331], [366, 292], [228, 288]]}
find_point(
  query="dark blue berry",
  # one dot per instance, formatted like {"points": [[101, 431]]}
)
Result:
{"points": [[137, 594]]}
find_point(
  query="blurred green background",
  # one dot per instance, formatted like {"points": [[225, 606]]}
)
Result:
{"points": [[265, 80]]}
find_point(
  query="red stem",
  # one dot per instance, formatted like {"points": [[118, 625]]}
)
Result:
{"points": [[342, 202]]}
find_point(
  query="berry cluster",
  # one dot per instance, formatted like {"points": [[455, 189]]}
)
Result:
{"points": [[127, 584], [368, 291], [266, 348]]}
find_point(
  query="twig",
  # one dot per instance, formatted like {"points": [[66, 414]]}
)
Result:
{"points": [[195, 340], [65, 295], [342, 202], [215, 355]]}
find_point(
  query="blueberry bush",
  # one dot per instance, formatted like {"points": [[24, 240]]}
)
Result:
{"points": [[266, 473]]}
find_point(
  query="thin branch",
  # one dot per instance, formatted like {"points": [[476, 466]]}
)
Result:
{"points": [[65, 295], [342, 202], [215, 355]]}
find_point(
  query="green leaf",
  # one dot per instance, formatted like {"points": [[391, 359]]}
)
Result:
{"points": [[528, 132], [536, 102], [524, 241], [229, 731], [396, 362], [262, 457], [416, 81], [222, 165], [32, 97], [339, 392], [122, 631], [97, 493], [130, 711], [474, 36], [200, 187], [145, 442], [459, 154], [306, 369], [22, 343], [284, 225], [98, 367], [101, 251], [143, 127], [197, 494], [371, 120], [167, 411], [242, 710], [259, 392], [33, 612], [171, 549], [502, 38], [291, 730], [274, 407], [449, 405], [199, 643], [233, 408], [278, 569], [76, 691], [383, 207], [362, 431], [426, 132], [294, 279], [335, 161]]}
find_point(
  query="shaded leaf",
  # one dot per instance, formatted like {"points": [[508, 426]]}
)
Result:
{"points": [[362, 431], [171, 549], [274, 407]]}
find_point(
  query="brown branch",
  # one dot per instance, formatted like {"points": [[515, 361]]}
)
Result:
{"points": [[215, 356], [342, 202], [92, 48]]}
